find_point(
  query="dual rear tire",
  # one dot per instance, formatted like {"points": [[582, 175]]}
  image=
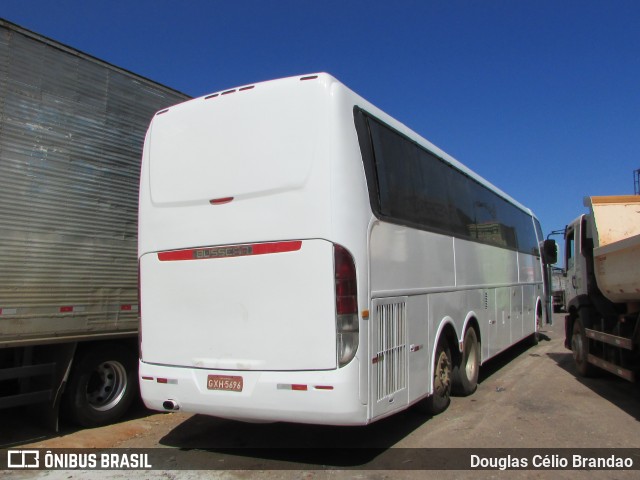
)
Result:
{"points": [[453, 378], [102, 385]]}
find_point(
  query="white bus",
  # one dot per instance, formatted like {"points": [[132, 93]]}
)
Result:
{"points": [[305, 257]]}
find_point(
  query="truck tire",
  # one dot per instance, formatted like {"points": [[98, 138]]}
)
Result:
{"points": [[580, 349], [102, 385], [439, 400], [465, 375]]}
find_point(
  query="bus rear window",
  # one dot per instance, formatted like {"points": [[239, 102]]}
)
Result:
{"points": [[231, 147]]}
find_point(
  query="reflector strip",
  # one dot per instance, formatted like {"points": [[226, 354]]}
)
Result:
{"points": [[53, 310], [229, 251], [171, 381], [292, 386]]}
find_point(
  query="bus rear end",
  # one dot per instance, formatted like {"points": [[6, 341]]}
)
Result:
{"points": [[249, 307]]}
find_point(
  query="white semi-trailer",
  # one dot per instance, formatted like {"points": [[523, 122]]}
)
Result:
{"points": [[71, 135], [602, 291]]}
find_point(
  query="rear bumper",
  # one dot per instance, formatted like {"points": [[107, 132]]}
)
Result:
{"points": [[330, 398]]}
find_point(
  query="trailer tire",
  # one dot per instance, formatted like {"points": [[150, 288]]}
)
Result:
{"points": [[102, 385], [439, 400], [465, 374], [580, 349]]}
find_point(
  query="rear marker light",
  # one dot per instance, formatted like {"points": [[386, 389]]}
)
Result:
{"points": [[162, 111], [323, 387], [221, 201], [310, 77], [148, 378], [227, 92]]}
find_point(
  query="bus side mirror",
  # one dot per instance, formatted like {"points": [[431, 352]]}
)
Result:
{"points": [[549, 252]]}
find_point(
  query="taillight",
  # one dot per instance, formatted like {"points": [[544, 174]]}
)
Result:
{"points": [[347, 327]]}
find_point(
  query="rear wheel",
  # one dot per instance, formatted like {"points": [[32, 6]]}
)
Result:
{"points": [[101, 386], [441, 396], [465, 375], [534, 338]]}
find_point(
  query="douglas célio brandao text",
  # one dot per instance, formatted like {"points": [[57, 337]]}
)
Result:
{"points": [[550, 461]]}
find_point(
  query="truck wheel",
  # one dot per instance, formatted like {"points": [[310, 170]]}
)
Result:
{"points": [[465, 375], [101, 386], [439, 400], [580, 349]]}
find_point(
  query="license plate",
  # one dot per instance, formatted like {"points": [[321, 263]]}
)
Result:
{"points": [[224, 382]]}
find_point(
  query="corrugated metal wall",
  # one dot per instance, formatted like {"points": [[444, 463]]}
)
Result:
{"points": [[71, 135]]}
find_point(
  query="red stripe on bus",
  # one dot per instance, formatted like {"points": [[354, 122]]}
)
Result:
{"points": [[230, 251]]}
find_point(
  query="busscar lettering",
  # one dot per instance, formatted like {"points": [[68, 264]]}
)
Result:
{"points": [[223, 252]]}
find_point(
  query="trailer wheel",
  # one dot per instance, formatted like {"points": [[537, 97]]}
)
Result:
{"points": [[439, 400], [101, 386], [580, 349], [465, 375]]}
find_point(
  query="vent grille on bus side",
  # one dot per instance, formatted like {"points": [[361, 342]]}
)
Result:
{"points": [[391, 349]]}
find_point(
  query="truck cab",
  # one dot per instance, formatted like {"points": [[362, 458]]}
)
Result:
{"points": [[575, 262]]}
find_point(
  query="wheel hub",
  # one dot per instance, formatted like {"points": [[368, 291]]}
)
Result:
{"points": [[107, 385]]}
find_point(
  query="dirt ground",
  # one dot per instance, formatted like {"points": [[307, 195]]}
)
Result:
{"points": [[528, 397]]}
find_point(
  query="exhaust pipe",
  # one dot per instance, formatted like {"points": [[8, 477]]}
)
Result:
{"points": [[171, 405]]}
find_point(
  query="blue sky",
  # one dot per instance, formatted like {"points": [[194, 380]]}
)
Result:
{"points": [[540, 97]]}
